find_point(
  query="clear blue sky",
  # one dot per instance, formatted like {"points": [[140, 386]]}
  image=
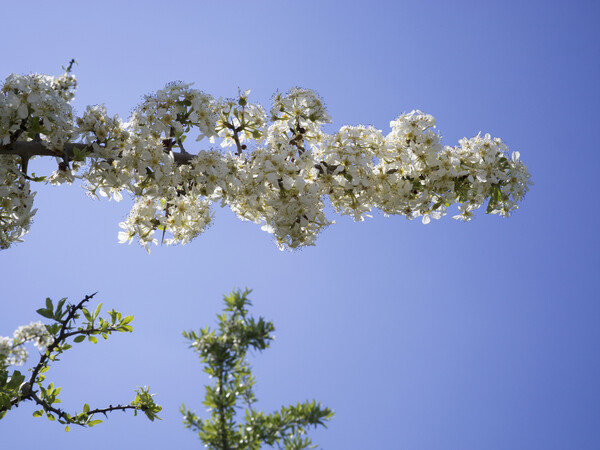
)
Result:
{"points": [[482, 335]]}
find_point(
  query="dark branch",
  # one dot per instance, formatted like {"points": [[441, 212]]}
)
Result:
{"points": [[61, 337], [32, 148], [69, 419]]}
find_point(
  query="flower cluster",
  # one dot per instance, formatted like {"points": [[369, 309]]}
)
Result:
{"points": [[37, 107], [282, 182], [240, 122], [300, 112], [13, 352], [16, 202]]}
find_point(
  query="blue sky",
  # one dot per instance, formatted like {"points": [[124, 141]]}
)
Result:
{"points": [[481, 335]]}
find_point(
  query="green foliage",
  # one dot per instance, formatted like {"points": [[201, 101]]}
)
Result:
{"points": [[224, 353], [143, 401], [79, 154], [63, 329]]}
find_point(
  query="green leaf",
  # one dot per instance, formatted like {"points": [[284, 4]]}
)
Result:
{"points": [[79, 155], [37, 179], [16, 380], [92, 339], [79, 338], [87, 314], [5, 402], [67, 428], [35, 127], [97, 311], [45, 313], [91, 423], [127, 320], [59, 312], [39, 413], [49, 305]]}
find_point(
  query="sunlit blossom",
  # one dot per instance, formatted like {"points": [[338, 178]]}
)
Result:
{"points": [[279, 172]]}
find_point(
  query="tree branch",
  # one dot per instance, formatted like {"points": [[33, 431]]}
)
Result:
{"points": [[68, 419], [28, 149], [61, 337]]}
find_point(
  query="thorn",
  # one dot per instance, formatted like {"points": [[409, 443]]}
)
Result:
{"points": [[24, 164]]}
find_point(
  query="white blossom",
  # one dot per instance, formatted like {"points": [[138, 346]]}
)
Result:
{"points": [[13, 351], [281, 182], [36, 333], [16, 202]]}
